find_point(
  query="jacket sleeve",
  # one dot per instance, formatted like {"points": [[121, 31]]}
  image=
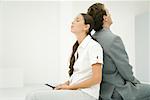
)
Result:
{"points": [[120, 59]]}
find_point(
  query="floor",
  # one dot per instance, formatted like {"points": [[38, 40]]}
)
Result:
{"points": [[18, 93]]}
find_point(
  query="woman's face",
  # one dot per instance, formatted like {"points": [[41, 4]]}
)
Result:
{"points": [[78, 25]]}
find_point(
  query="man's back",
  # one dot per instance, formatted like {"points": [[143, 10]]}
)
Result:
{"points": [[117, 72]]}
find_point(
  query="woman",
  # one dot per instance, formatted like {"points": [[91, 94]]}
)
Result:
{"points": [[85, 67]]}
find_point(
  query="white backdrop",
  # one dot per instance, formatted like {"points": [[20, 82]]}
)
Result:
{"points": [[35, 37], [30, 38]]}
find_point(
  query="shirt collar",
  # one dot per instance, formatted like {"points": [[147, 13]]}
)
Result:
{"points": [[105, 29], [102, 31], [85, 41]]}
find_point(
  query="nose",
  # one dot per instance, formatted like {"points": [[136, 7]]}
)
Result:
{"points": [[72, 22]]}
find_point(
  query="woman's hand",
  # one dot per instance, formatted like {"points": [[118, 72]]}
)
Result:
{"points": [[62, 87]]}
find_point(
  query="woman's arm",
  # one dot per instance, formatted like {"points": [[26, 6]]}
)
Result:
{"points": [[63, 84], [67, 83], [96, 78]]}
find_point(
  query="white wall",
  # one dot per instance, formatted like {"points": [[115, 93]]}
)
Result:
{"points": [[11, 77], [30, 39]]}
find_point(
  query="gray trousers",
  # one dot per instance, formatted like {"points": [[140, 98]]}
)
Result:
{"points": [[58, 95]]}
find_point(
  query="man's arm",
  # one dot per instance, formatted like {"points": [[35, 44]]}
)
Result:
{"points": [[120, 59]]}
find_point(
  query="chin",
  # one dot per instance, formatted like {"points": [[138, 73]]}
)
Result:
{"points": [[111, 22], [72, 31]]}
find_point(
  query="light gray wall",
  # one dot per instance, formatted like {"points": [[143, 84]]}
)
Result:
{"points": [[149, 36], [1, 34], [142, 47]]}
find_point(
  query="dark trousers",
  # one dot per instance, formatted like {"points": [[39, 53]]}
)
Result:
{"points": [[115, 96]]}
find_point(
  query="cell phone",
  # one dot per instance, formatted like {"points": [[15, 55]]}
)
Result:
{"points": [[53, 87]]}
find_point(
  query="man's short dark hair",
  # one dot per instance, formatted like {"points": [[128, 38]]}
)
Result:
{"points": [[97, 11]]}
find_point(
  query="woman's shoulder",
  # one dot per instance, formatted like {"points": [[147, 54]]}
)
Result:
{"points": [[95, 44]]}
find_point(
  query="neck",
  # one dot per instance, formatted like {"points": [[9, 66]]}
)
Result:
{"points": [[80, 37], [106, 26]]}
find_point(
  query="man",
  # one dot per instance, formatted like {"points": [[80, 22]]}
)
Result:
{"points": [[118, 81]]}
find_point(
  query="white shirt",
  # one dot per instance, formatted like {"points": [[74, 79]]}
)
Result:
{"points": [[89, 52]]}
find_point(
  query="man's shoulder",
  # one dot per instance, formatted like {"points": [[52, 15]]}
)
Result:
{"points": [[105, 35], [106, 39], [109, 34]]}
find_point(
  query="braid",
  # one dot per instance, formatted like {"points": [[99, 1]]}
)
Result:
{"points": [[72, 58], [92, 36]]}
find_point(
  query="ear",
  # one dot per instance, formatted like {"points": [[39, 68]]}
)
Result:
{"points": [[87, 27], [105, 18]]}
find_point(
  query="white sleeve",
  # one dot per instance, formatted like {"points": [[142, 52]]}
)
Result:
{"points": [[96, 54]]}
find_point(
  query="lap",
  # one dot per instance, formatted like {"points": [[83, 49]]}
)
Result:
{"points": [[116, 96], [58, 95]]}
